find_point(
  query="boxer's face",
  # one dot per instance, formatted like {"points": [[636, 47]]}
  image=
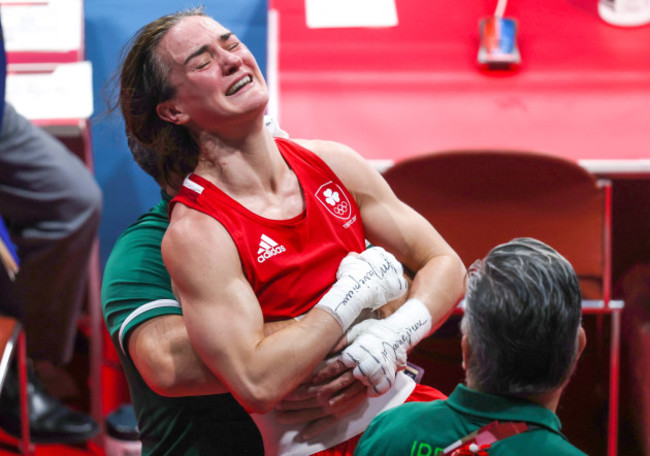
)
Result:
{"points": [[216, 78]]}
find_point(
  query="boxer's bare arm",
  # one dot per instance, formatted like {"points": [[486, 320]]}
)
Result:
{"points": [[224, 320]]}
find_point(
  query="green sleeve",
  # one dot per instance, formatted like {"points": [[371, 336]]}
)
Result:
{"points": [[136, 286]]}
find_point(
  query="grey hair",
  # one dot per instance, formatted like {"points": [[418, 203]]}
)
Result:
{"points": [[522, 317]]}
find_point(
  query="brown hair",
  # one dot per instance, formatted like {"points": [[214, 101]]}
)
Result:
{"points": [[172, 152]]}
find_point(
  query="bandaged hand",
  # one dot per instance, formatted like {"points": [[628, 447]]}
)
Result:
{"points": [[378, 348], [366, 281]]}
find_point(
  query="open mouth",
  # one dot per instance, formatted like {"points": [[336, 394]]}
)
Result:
{"points": [[238, 85]]}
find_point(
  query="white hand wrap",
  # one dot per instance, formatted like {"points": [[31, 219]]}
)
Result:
{"points": [[378, 348], [367, 281]]}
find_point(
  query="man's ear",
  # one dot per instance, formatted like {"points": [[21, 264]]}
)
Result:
{"points": [[169, 112], [464, 345]]}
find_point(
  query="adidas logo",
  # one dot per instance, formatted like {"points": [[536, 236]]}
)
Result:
{"points": [[268, 248]]}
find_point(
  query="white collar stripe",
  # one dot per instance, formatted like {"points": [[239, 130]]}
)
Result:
{"points": [[191, 185]]}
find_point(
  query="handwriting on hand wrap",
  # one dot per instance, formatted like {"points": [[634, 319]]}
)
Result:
{"points": [[365, 281], [404, 336]]}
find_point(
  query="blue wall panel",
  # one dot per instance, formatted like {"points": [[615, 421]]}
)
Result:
{"points": [[128, 191]]}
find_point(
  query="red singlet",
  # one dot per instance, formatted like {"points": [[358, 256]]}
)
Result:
{"points": [[289, 263]]}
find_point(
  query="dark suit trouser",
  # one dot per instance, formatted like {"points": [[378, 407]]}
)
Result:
{"points": [[51, 205]]}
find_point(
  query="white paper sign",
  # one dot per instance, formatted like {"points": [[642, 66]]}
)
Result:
{"points": [[350, 13], [54, 26], [67, 93]]}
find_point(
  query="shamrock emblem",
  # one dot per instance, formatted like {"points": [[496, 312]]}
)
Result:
{"points": [[331, 197], [335, 200]]}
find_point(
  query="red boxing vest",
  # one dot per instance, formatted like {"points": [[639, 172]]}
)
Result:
{"points": [[291, 263]]}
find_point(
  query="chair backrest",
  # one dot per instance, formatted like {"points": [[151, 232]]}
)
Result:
{"points": [[479, 199]]}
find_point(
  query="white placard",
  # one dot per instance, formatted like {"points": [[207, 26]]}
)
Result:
{"points": [[350, 13], [54, 26], [66, 93]]}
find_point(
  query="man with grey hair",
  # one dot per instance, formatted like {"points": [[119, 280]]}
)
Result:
{"points": [[521, 339]]}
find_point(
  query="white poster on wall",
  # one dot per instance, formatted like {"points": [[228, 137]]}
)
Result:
{"points": [[65, 93], [53, 26], [350, 13]]}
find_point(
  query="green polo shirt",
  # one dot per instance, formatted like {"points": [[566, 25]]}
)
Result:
{"points": [[136, 287], [425, 428]]}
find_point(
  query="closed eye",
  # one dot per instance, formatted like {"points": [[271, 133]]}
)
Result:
{"points": [[203, 64], [203, 50]]}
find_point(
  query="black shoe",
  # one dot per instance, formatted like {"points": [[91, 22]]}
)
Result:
{"points": [[50, 421]]}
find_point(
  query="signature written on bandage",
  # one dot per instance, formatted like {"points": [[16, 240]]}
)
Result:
{"points": [[404, 337], [365, 281]]}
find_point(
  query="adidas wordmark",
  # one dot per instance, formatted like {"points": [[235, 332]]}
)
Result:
{"points": [[268, 248]]}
